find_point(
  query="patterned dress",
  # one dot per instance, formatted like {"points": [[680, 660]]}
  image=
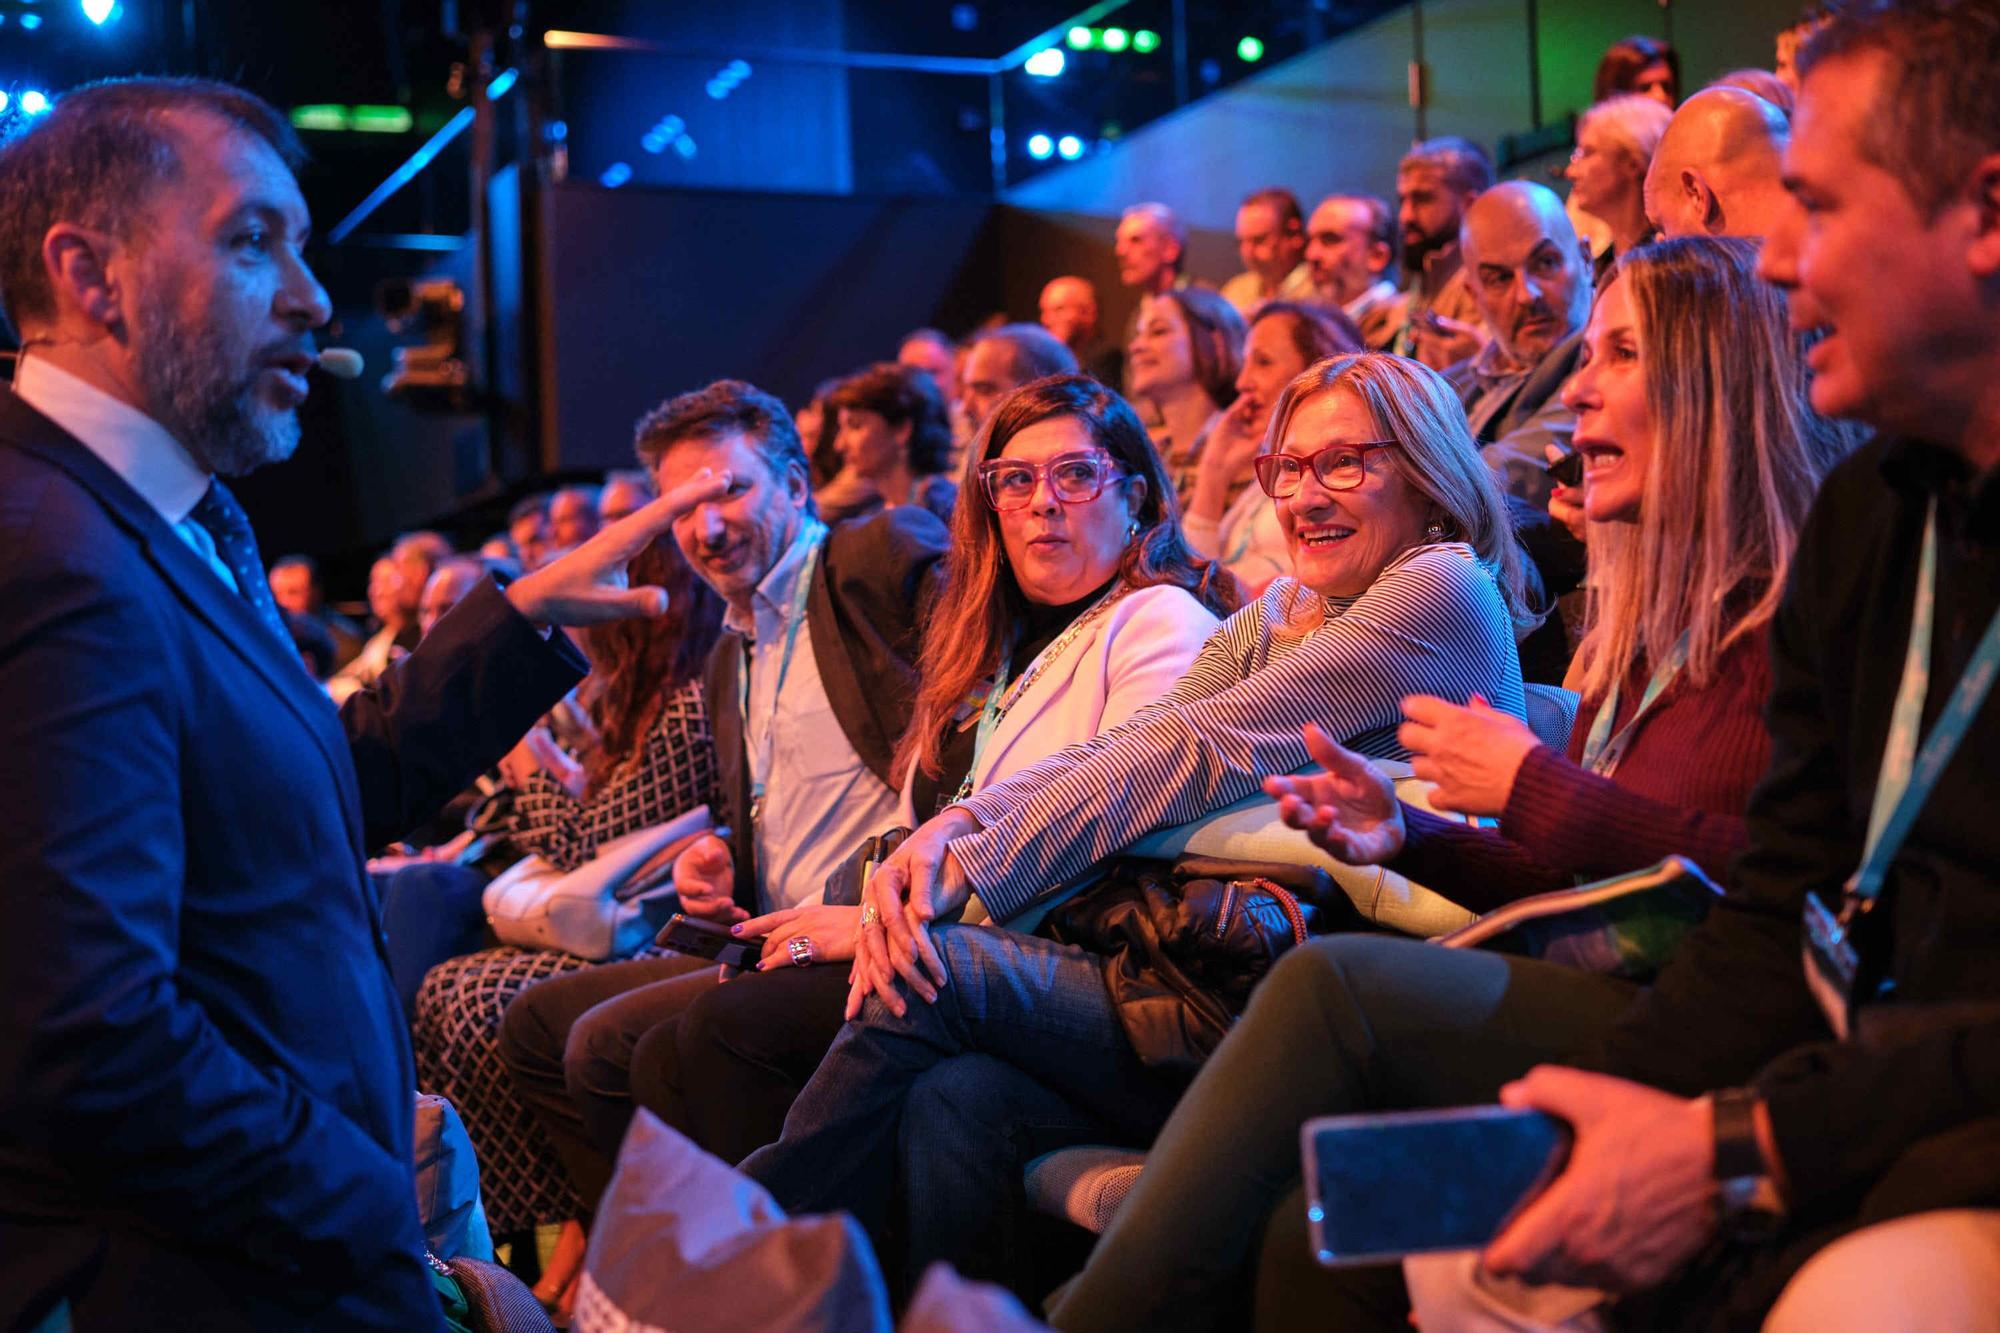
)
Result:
{"points": [[459, 1007]]}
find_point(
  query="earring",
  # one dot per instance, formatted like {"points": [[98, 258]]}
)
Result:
{"points": [[1131, 529], [1435, 532]]}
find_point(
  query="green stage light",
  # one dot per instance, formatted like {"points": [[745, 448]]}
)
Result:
{"points": [[1145, 41], [1250, 50], [321, 116], [1081, 39], [380, 119], [1115, 39]]}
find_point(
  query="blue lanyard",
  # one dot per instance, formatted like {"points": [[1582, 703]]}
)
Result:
{"points": [[1908, 773], [1603, 752], [814, 535]]}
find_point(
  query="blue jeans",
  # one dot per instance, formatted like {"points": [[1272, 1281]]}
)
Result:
{"points": [[1038, 1006]]}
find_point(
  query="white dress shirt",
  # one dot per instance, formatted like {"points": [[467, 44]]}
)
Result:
{"points": [[140, 450], [820, 800]]}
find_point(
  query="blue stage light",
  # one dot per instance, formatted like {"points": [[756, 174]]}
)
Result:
{"points": [[615, 175], [34, 103], [30, 22], [1046, 63], [1040, 146], [1070, 147], [100, 12]]}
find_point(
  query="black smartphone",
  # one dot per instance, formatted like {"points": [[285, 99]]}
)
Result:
{"points": [[1379, 1187], [705, 939], [1567, 470]]}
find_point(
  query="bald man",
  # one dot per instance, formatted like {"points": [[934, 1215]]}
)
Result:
{"points": [[1069, 311], [1530, 277], [1716, 171]]}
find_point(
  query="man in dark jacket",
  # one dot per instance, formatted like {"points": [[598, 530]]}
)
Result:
{"points": [[206, 1113]]}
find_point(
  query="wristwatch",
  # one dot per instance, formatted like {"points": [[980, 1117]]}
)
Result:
{"points": [[1752, 1207]]}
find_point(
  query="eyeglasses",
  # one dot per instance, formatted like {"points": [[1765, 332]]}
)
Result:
{"points": [[1339, 467], [1074, 478]]}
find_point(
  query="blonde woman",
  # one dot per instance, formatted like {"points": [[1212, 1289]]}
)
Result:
{"points": [[1703, 457], [1614, 146]]}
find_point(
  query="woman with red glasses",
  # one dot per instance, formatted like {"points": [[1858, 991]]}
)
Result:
{"points": [[1406, 582]]}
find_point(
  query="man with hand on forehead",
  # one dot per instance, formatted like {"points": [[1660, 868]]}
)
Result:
{"points": [[207, 1119]]}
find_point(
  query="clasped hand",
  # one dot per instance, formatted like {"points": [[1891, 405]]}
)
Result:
{"points": [[919, 883]]}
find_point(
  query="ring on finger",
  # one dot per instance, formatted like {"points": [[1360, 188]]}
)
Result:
{"points": [[800, 947], [869, 916]]}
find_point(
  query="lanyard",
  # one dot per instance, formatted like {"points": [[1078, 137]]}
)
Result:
{"points": [[1908, 773], [814, 535], [1603, 752], [1000, 699]]}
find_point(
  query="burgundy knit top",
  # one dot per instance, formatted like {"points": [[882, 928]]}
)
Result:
{"points": [[1681, 789]]}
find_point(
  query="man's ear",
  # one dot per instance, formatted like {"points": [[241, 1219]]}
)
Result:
{"points": [[798, 483], [1703, 201], [78, 263], [1984, 255]]}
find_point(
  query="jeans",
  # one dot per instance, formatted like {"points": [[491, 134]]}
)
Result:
{"points": [[1345, 1023], [430, 912], [1039, 1006], [568, 1043]]}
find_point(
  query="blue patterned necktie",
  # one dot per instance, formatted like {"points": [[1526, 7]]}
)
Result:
{"points": [[224, 521]]}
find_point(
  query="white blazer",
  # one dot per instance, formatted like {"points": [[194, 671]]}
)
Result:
{"points": [[1123, 660]]}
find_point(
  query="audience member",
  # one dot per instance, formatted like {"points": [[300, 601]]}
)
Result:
{"points": [[1716, 171], [395, 613], [1271, 239], [1531, 278], [895, 444], [1183, 360], [1814, 16], [1640, 66], [1435, 182], [1071, 595], [1407, 582], [207, 1114], [572, 516], [1350, 247], [1758, 82], [1607, 172], [1841, 1128], [807, 694], [1692, 408], [1229, 518], [528, 529], [448, 585], [295, 587], [1000, 361], [1151, 250], [625, 491], [649, 759], [818, 426], [934, 354], [1068, 309]]}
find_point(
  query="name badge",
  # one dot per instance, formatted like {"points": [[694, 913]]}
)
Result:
{"points": [[1832, 965]]}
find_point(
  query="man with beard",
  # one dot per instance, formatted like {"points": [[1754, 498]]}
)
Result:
{"points": [[1531, 278], [207, 1117], [1435, 183]]}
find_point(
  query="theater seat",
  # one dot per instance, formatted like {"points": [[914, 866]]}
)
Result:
{"points": [[1087, 1185]]}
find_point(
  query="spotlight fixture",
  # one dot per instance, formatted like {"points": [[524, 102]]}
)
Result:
{"points": [[1070, 147], [1114, 39], [34, 102], [1081, 39], [1145, 41], [1046, 63], [100, 12], [1040, 146], [1250, 50]]}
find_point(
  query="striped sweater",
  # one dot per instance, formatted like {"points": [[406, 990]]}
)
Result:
{"points": [[1432, 623]]}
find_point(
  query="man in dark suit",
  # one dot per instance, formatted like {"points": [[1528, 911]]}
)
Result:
{"points": [[206, 1109]]}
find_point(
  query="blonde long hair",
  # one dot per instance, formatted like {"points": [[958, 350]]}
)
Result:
{"points": [[1737, 458], [1414, 406]]}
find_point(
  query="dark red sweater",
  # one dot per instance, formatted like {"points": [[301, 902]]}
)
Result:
{"points": [[1682, 789]]}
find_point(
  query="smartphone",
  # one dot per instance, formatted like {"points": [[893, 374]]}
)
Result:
{"points": [[1379, 1187], [705, 939], [1567, 470]]}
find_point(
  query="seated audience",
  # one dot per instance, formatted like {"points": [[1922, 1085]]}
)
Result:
{"points": [[1736, 1161], [295, 587], [1531, 278], [807, 694], [1704, 456], [528, 529], [1183, 359], [624, 491], [1068, 309], [395, 591], [1350, 247], [1245, 533], [1758, 82], [817, 426], [572, 516], [1717, 169], [1151, 249], [447, 587], [1607, 172], [1638, 66], [1001, 360], [894, 439], [1435, 183], [1271, 239], [934, 354], [1407, 582], [1070, 604]]}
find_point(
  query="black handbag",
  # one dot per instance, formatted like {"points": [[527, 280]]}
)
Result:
{"points": [[1184, 944]]}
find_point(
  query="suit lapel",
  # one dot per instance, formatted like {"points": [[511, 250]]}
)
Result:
{"points": [[232, 618]]}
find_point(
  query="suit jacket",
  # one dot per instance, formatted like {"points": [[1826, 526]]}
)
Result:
{"points": [[873, 578], [207, 1085], [1533, 416]]}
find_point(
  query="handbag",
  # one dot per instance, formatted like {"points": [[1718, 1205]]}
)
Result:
{"points": [[606, 907], [1184, 944], [1626, 926]]}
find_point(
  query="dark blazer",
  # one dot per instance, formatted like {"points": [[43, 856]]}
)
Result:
{"points": [[205, 1081], [873, 580], [1519, 464]]}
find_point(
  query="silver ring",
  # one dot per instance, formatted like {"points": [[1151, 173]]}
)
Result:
{"points": [[869, 916], [801, 949]]}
